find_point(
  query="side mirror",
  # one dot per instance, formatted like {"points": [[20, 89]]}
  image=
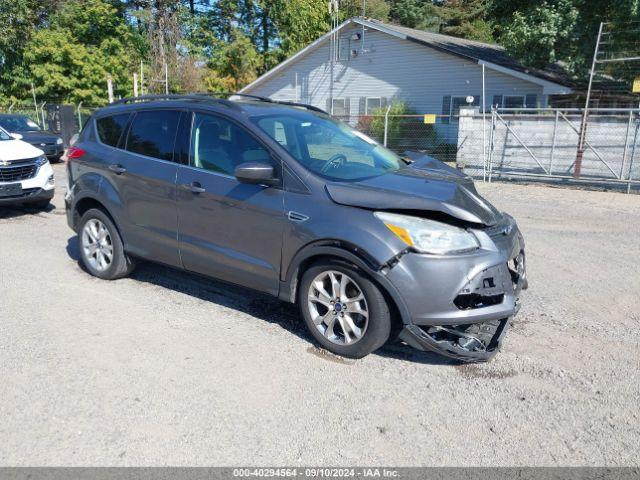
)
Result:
{"points": [[16, 136], [255, 173]]}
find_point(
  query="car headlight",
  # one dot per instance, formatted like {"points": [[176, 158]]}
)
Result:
{"points": [[429, 236], [59, 141], [41, 160]]}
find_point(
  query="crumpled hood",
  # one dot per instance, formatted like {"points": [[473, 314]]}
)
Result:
{"points": [[17, 150], [427, 184], [39, 137]]}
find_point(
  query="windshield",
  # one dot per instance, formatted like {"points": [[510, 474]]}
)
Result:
{"points": [[329, 148], [18, 123], [4, 135]]}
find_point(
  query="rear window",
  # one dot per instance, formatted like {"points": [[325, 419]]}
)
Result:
{"points": [[110, 128], [153, 133]]}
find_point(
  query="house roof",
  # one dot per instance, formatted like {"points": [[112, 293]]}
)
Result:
{"points": [[491, 55], [479, 51]]}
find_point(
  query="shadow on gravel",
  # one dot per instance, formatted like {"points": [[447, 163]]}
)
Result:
{"points": [[256, 304], [14, 211]]}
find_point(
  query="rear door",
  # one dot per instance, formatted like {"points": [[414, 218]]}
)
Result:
{"points": [[143, 173], [227, 229]]}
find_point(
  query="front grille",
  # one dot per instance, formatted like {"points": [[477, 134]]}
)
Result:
{"points": [[17, 173]]}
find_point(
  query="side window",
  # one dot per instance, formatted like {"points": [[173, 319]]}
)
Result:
{"points": [[281, 133], [372, 104], [153, 133], [218, 145], [513, 101], [110, 128]]}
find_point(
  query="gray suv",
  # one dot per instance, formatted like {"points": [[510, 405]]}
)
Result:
{"points": [[281, 198]]}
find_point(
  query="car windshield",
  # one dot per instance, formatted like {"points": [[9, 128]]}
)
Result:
{"points": [[4, 135], [329, 148], [19, 123]]}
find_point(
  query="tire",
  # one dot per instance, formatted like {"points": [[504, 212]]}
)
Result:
{"points": [[370, 332], [102, 254]]}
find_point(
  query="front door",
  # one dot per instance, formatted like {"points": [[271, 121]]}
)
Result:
{"points": [[226, 229]]}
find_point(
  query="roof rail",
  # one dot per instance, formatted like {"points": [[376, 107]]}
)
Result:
{"points": [[201, 97], [212, 97], [269, 100]]}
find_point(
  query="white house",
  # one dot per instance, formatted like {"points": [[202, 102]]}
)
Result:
{"points": [[376, 62]]}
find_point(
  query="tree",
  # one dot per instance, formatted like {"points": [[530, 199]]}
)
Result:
{"points": [[86, 41], [466, 18], [299, 24], [539, 36], [376, 9], [420, 14], [560, 30], [19, 18], [233, 65]]}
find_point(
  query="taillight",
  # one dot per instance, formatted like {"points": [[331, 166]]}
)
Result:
{"points": [[74, 152]]}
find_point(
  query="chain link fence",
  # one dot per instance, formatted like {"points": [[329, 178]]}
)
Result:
{"points": [[44, 114], [436, 135]]}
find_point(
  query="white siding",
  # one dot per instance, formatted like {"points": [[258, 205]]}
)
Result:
{"points": [[389, 68]]}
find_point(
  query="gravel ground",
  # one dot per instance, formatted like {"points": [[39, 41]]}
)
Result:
{"points": [[165, 368]]}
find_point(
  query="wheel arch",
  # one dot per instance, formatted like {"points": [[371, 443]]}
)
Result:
{"points": [[346, 252], [86, 203]]}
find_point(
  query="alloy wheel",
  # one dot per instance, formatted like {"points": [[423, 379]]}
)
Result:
{"points": [[338, 307], [97, 245]]}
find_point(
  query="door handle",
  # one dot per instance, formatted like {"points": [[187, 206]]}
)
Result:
{"points": [[195, 187], [117, 169]]}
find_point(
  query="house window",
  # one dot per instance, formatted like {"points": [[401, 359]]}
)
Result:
{"points": [[513, 101], [461, 102], [339, 107], [373, 103]]}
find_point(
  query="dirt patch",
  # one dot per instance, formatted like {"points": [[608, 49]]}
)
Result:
{"points": [[484, 371]]}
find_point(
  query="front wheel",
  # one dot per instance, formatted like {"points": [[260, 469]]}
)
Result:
{"points": [[343, 309]]}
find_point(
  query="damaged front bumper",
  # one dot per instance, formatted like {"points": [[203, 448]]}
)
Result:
{"points": [[461, 306]]}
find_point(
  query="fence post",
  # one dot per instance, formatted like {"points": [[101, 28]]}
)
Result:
{"points": [[492, 141], [44, 126], [79, 117], [633, 153], [484, 131], [553, 140], [626, 145], [386, 124]]}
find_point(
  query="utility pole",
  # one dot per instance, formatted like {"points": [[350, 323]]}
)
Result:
{"points": [[110, 88], [141, 79], [166, 79], [135, 84], [35, 102], [585, 114]]}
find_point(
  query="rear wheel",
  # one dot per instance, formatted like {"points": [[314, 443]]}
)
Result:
{"points": [[101, 248], [343, 309]]}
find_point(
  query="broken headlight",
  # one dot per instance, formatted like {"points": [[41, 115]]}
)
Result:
{"points": [[429, 236]]}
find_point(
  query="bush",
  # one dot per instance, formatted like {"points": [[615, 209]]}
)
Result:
{"points": [[404, 131]]}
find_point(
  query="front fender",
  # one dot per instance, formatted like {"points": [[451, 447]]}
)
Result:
{"points": [[349, 253]]}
